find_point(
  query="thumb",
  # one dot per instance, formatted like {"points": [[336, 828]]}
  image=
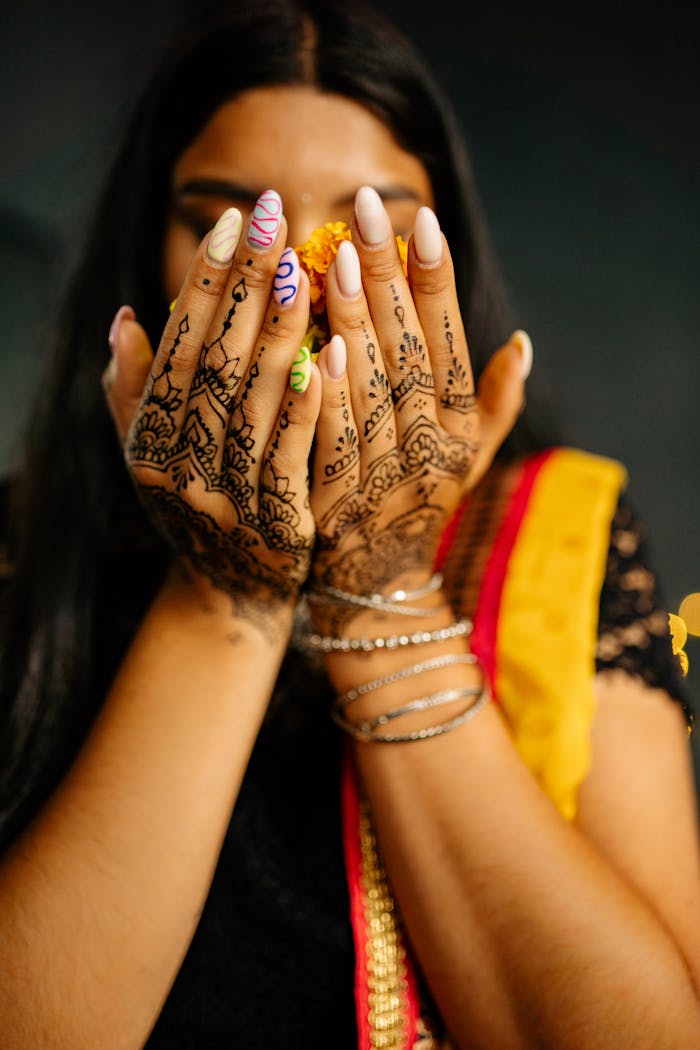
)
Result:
{"points": [[501, 397], [125, 377]]}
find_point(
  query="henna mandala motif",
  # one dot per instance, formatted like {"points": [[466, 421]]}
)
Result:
{"points": [[252, 547]]}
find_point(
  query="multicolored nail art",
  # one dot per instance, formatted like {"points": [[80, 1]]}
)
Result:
{"points": [[301, 370], [286, 282], [224, 237], [265, 220]]}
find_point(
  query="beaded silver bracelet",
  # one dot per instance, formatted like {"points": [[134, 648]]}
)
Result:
{"points": [[369, 736], [331, 644], [436, 663], [371, 601]]}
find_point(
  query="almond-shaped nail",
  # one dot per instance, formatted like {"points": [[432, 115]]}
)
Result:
{"points": [[286, 283], [224, 237], [300, 374], [371, 216], [265, 220], [336, 357], [347, 269], [523, 342], [124, 313], [427, 239]]}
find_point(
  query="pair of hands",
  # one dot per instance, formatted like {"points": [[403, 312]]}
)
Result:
{"points": [[219, 443]]}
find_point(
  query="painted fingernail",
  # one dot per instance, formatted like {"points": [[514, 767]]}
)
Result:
{"points": [[301, 370], [347, 268], [265, 220], [286, 283], [427, 239], [371, 216], [336, 357], [523, 342], [124, 313], [224, 237]]}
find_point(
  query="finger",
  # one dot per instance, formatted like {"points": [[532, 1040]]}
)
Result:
{"points": [[168, 388], [125, 377], [432, 283], [284, 488], [401, 338], [370, 389], [229, 343], [501, 397], [263, 387], [336, 464]]}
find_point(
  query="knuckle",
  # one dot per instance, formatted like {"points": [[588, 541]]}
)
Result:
{"points": [[381, 269], [434, 282]]}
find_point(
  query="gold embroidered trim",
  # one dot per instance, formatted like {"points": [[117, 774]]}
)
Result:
{"points": [[386, 956]]}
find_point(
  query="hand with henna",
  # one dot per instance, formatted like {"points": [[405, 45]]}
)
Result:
{"points": [[402, 433], [216, 441]]}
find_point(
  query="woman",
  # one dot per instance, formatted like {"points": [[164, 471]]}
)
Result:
{"points": [[171, 775]]}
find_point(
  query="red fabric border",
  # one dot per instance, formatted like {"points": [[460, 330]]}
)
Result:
{"points": [[488, 607]]}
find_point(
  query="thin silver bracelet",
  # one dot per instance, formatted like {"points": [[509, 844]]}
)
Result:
{"points": [[419, 734], [331, 644], [436, 663], [370, 601], [322, 598]]}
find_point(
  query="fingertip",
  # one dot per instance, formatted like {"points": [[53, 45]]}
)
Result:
{"points": [[521, 340]]}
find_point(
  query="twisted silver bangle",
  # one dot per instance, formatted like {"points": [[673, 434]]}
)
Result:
{"points": [[368, 736], [436, 663], [371, 601], [421, 703], [331, 644]]}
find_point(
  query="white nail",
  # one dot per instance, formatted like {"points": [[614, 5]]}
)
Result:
{"points": [[523, 342], [426, 237], [371, 215], [347, 268], [336, 357]]}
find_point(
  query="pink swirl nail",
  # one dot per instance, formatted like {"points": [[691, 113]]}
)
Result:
{"points": [[265, 220], [224, 237], [286, 283]]}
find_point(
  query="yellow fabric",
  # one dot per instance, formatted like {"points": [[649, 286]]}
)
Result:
{"points": [[547, 629]]}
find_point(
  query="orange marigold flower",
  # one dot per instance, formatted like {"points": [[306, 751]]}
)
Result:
{"points": [[315, 257]]}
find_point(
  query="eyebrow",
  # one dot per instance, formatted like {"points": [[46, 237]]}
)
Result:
{"points": [[238, 192]]}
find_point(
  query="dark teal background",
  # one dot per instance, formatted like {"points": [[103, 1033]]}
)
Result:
{"points": [[583, 127]]}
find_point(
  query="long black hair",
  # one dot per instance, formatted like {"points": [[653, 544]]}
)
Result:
{"points": [[86, 561]]}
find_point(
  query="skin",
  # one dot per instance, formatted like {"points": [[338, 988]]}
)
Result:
{"points": [[530, 931]]}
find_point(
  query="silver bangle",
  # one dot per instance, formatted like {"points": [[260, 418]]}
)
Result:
{"points": [[370, 601], [331, 644], [421, 703], [436, 663], [419, 734], [322, 598]]}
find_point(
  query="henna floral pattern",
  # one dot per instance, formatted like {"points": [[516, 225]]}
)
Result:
{"points": [[193, 457]]}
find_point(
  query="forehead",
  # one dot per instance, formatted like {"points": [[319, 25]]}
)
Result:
{"points": [[284, 136]]}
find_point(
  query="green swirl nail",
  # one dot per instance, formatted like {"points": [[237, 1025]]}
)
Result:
{"points": [[301, 370]]}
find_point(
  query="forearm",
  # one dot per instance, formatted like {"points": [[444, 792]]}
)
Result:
{"points": [[527, 936], [101, 895]]}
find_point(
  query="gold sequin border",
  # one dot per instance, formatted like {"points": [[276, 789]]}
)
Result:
{"points": [[386, 955]]}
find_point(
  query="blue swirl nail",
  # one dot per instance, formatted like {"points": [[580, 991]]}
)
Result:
{"points": [[286, 283]]}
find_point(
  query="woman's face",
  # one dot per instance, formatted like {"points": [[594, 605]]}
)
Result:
{"points": [[315, 149]]}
